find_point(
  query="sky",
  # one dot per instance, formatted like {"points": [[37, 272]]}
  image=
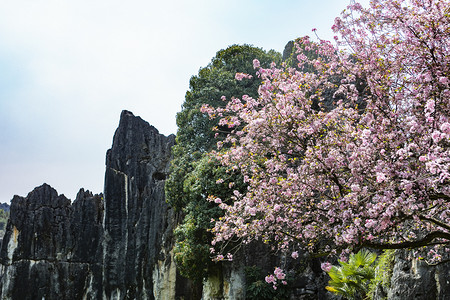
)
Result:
{"points": [[68, 69]]}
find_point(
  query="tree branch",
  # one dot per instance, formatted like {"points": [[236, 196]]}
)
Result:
{"points": [[438, 263], [435, 221], [439, 196], [426, 241]]}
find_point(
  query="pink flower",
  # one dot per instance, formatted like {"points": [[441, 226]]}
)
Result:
{"points": [[326, 266], [381, 177], [279, 273], [256, 63], [270, 279], [294, 255], [240, 76], [443, 80], [436, 136], [355, 188], [445, 127], [370, 223], [430, 105], [252, 211]]}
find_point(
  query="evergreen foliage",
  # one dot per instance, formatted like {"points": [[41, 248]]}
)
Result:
{"points": [[383, 272], [194, 174], [351, 279]]}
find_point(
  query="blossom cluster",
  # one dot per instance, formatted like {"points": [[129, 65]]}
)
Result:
{"points": [[277, 276]]}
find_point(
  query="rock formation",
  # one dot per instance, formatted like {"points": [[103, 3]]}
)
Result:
{"points": [[51, 248], [415, 279], [137, 218], [116, 247]]}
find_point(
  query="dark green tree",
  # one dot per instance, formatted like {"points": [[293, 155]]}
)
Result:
{"points": [[194, 174]]}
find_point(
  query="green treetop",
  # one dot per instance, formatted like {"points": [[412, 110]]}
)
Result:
{"points": [[195, 134], [194, 175]]}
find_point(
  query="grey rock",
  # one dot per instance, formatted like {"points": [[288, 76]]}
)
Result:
{"points": [[45, 252], [136, 214], [94, 248], [413, 279]]}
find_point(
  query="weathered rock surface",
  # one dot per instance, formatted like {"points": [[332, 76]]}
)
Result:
{"points": [[136, 214], [51, 248], [413, 279]]}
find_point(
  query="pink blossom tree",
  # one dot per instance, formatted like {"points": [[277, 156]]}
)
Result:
{"points": [[370, 169]]}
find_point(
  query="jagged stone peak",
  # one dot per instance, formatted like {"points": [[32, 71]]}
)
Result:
{"points": [[43, 188], [135, 142], [127, 118], [43, 195], [288, 49], [84, 194], [127, 115], [46, 195]]}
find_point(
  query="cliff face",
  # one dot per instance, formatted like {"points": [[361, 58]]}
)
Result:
{"points": [[114, 247], [137, 218], [413, 279], [51, 248]]}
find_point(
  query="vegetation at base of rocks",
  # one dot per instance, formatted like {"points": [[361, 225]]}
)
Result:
{"points": [[362, 275], [195, 174], [258, 289], [352, 279], [4, 216], [191, 256], [383, 272]]}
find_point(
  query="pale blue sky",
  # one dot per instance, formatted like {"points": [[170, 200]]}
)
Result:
{"points": [[68, 68]]}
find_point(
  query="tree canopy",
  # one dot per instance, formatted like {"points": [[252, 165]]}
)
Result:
{"points": [[344, 178], [195, 134], [194, 173]]}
